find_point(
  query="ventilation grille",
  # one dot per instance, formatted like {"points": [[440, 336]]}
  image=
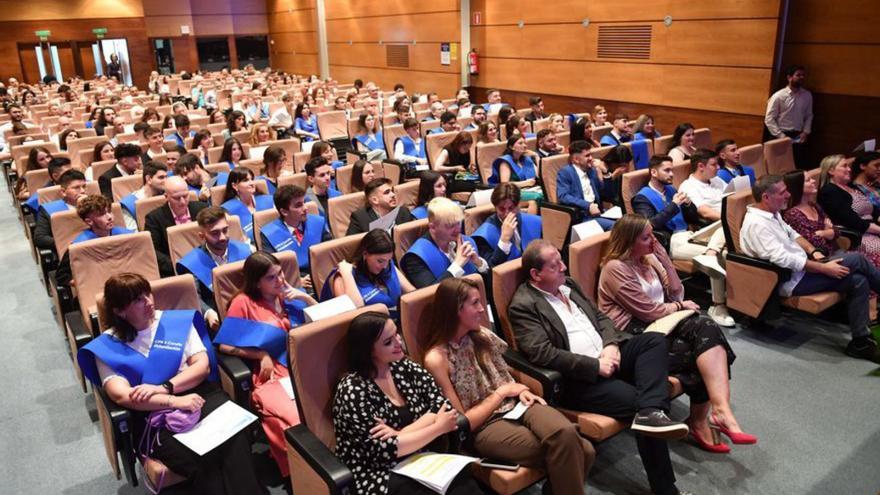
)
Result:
{"points": [[625, 42], [397, 55]]}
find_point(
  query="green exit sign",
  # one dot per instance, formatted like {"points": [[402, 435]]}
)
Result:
{"points": [[44, 33], [100, 30]]}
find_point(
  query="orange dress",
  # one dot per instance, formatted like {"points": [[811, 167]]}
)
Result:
{"points": [[276, 410]]}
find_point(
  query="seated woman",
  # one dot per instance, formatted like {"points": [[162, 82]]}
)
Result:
{"points": [[201, 143], [255, 328], [600, 116], [611, 168], [805, 215], [232, 153], [514, 165], [369, 138], [370, 277], [361, 174], [431, 185], [582, 130], [865, 172], [65, 138], [325, 149], [275, 160], [682, 143], [849, 207], [456, 156], [305, 123], [466, 361], [38, 159], [240, 199], [236, 121], [178, 376], [638, 285], [385, 408], [557, 123], [260, 134], [488, 132], [644, 128], [515, 124]]}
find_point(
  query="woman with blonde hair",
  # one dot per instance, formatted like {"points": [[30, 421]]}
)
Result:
{"points": [[848, 206], [600, 116], [638, 285], [260, 134]]}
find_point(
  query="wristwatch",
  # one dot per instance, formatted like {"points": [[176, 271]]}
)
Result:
{"points": [[169, 387]]}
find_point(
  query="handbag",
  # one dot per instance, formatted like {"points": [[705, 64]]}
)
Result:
{"points": [[173, 420]]}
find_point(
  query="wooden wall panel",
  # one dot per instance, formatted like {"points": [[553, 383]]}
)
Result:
{"points": [[249, 24], [842, 69], [422, 57], [437, 26], [41, 10], [186, 54], [340, 9], [841, 21], [167, 26], [292, 27]]}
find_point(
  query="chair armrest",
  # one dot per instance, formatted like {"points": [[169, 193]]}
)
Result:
{"points": [[238, 374], [549, 380], [77, 329], [120, 428], [304, 445], [855, 238], [783, 273]]}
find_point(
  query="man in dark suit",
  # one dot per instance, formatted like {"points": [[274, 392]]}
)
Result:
{"points": [[604, 371], [178, 210], [381, 200], [128, 160]]}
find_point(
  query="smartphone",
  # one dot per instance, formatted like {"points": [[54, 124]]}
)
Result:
{"points": [[498, 464]]}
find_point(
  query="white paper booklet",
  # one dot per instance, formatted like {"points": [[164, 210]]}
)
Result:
{"points": [[436, 471], [328, 308], [287, 385], [738, 184], [480, 197], [613, 213], [257, 152], [517, 412], [385, 222], [219, 426], [586, 229]]}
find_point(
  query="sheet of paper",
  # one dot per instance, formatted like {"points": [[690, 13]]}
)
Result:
{"points": [[219, 426], [328, 308], [287, 385], [480, 197], [738, 184], [257, 152], [613, 213], [385, 222], [586, 229], [436, 471], [870, 145], [517, 412], [703, 235]]}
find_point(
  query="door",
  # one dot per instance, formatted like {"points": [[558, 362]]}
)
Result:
{"points": [[164, 56], [32, 60]]}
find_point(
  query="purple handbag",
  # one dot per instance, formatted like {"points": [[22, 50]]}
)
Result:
{"points": [[173, 420]]}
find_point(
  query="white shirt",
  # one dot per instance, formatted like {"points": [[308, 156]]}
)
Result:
{"points": [[789, 110], [701, 193], [583, 338], [142, 343], [8, 127], [130, 220], [586, 185], [766, 236], [652, 288], [401, 156], [281, 118]]}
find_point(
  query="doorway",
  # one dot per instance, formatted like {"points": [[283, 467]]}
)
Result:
{"points": [[164, 56]]}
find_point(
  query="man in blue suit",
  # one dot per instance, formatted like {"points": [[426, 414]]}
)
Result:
{"points": [[578, 185]]}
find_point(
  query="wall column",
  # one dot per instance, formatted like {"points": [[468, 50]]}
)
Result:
{"points": [[465, 42], [323, 55]]}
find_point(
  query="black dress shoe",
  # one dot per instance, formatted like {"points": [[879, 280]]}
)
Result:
{"points": [[656, 423], [863, 348]]}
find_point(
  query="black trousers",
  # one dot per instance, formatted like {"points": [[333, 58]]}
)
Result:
{"points": [[640, 383], [227, 469], [463, 484]]}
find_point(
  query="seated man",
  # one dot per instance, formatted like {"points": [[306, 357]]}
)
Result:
{"points": [[178, 210], [57, 166], [478, 113], [95, 211], [659, 202], [73, 187], [730, 167], [442, 252], [493, 101], [604, 371], [381, 200], [128, 160], [765, 235], [188, 167], [294, 229], [155, 174], [437, 108], [410, 148], [155, 141], [621, 133], [537, 113], [578, 185], [548, 144], [319, 173], [448, 123], [504, 235], [216, 249]]}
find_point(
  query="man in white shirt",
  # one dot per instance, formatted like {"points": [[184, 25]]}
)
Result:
{"points": [[283, 117], [765, 235], [17, 115], [790, 113], [603, 370]]}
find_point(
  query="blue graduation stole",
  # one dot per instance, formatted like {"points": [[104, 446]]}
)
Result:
{"points": [[437, 262], [129, 203], [676, 223], [529, 230], [728, 175], [231, 166], [201, 264], [521, 172], [222, 178], [410, 148], [165, 354], [33, 202], [371, 142], [240, 332], [436, 130], [270, 186], [310, 125], [640, 154], [53, 207], [420, 212], [89, 234], [370, 293], [176, 137], [237, 208], [193, 188], [281, 239]]}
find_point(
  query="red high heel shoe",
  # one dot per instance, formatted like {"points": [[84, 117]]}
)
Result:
{"points": [[737, 438], [716, 447]]}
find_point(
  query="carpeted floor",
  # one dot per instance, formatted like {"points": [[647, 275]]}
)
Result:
{"points": [[814, 410]]}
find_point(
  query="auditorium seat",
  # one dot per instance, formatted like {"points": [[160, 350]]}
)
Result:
{"points": [[390, 133], [753, 156], [778, 156], [405, 235], [340, 209], [184, 237], [324, 257], [434, 144], [123, 186], [486, 154], [407, 193], [144, 206], [703, 139], [101, 167], [663, 144]]}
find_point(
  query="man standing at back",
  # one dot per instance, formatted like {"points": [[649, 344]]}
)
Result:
{"points": [[790, 114]]}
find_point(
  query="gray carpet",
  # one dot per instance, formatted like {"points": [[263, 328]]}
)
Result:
{"points": [[814, 410]]}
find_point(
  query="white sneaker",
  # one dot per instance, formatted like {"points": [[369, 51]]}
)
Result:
{"points": [[719, 315], [709, 265]]}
